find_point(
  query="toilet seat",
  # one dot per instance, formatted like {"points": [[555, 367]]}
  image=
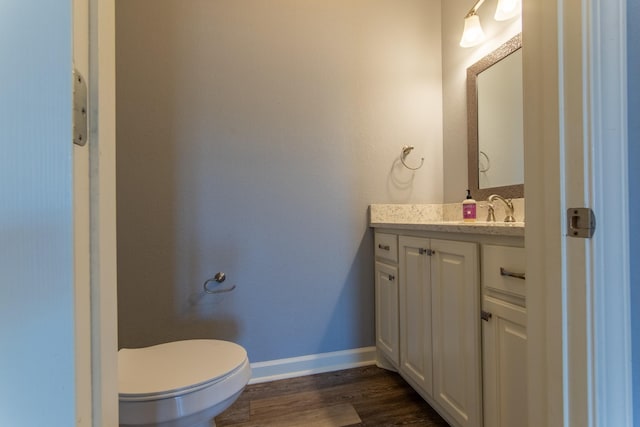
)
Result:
{"points": [[181, 383], [176, 368]]}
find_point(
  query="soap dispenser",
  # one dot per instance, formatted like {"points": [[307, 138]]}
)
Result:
{"points": [[469, 208]]}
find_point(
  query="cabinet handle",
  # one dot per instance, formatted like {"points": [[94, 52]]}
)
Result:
{"points": [[507, 273], [392, 278], [485, 315], [423, 251], [384, 247]]}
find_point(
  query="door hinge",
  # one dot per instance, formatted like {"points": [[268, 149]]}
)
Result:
{"points": [[80, 105], [581, 222]]}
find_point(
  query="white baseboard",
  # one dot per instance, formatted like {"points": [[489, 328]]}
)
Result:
{"points": [[312, 364]]}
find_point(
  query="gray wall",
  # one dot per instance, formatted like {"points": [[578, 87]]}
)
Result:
{"points": [[252, 136], [633, 68], [455, 61]]}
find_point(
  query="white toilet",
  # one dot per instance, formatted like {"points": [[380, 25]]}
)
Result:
{"points": [[181, 383]]}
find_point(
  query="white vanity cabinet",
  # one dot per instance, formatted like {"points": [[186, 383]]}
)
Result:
{"points": [[431, 289], [504, 336]]}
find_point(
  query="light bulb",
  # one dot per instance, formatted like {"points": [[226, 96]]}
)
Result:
{"points": [[507, 9], [472, 34]]}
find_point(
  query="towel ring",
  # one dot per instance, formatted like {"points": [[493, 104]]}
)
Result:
{"points": [[219, 278], [406, 149], [485, 169]]}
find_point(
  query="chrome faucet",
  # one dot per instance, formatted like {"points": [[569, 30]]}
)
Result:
{"points": [[509, 206]]}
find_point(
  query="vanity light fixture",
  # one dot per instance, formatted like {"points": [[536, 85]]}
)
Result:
{"points": [[507, 9], [472, 34]]}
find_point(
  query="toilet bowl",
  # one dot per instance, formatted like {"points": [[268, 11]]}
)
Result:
{"points": [[180, 383]]}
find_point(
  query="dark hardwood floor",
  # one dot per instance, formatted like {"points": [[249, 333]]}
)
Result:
{"points": [[367, 396]]}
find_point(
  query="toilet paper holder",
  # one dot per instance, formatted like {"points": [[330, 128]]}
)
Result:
{"points": [[218, 278]]}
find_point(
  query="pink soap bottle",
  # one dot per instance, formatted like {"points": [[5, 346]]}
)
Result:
{"points": [[469, 208]]}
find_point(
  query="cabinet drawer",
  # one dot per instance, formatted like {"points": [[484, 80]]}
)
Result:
{"points": [[503, 269], [386, 246]]}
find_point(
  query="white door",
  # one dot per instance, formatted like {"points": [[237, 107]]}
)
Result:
{"points": [[575, 156], [455, 314], [415, 312], [504, 359], [387, 332], [44, 359], [56, 366]]}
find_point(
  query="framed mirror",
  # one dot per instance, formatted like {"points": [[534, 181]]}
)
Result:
{"points": [[495, 123]]}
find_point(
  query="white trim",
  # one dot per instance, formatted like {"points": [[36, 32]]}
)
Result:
{"points": [[611, 345], [543, 213], [81, 232], [312, 364], [575, 174], [102, 142]]}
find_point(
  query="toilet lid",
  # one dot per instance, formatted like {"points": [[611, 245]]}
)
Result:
{"points": [[175, 366]]}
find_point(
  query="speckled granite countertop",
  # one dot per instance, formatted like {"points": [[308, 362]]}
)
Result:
{"points": [[444, 218]]}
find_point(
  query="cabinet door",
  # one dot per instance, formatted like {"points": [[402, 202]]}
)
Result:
{"points": [[504, 338], [415, 312], [387, 311], [456, 330]]}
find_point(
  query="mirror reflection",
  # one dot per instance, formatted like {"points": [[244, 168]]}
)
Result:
{"points": [[500, 146], [495, 119]]}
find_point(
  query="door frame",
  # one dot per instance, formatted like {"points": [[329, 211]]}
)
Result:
{"points": [[575, 155], [94, 51], [548, 52], [81, 234], [610, 364]]}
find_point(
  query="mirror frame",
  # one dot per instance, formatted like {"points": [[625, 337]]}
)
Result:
{"points": [[508, 191]]}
